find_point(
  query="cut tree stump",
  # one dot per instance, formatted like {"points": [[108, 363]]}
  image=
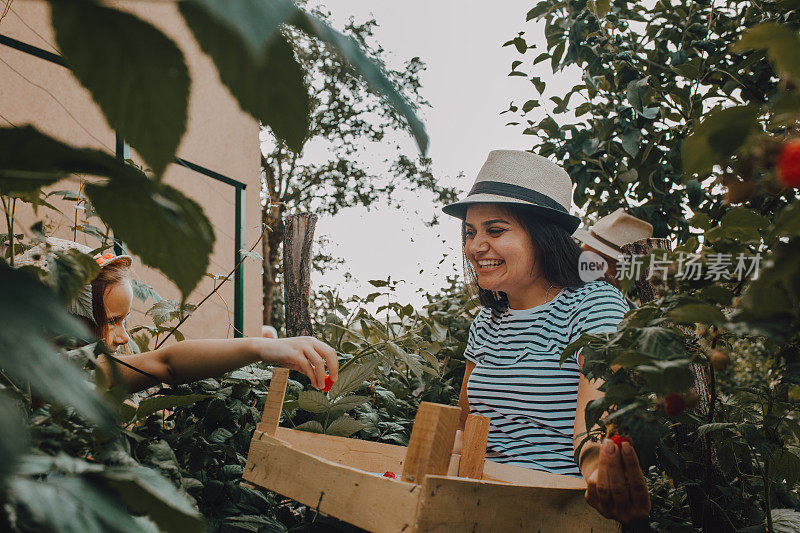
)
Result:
{"points": [[298, 237]]}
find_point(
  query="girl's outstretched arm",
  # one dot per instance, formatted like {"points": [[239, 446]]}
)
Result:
{"points": [[186, 361]]}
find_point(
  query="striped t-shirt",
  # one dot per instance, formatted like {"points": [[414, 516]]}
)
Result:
{"points": [[517, 381]]}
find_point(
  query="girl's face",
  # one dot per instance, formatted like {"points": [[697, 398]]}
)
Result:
{"points": [[117, 301], [500, 250]]}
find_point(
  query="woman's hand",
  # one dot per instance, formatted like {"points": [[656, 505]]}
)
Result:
{"points": [[306, 354], [617, 488]]}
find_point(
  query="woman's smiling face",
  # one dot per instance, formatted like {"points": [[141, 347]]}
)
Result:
{"points": [[499, 249]]}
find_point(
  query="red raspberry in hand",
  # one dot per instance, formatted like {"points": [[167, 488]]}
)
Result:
{"points": [[619, 439], [674, 404], [328, 383], [789, 164], [389, 474]]}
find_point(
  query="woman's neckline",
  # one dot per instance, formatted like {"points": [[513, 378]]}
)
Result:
{"points": [[539, 307]]}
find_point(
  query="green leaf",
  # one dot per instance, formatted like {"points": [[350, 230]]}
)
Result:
{"points": [[165, 311], [703, 313], [15, 437], [717, 138], [30, 160], [148, 493], [629, 176], [344, 426], [408, 359], [668, 376], [143, 84], [257, 21], [575, 346], [631, 359], [353, 377], [70, 272], [630, 142], [313, 401], [661, 343], [153, 404], [636, 91], [26, 349], [347, 403], [366, 68], [72, 505], [600, 7], [311, 426], [268, 83], [741, 217], [781, 43], [438, 331], [167, 230], [716, 426]]}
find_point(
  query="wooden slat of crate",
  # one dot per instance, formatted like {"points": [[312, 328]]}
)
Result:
{"points": [[516, 475], [371, 502], [363, 455], [450, 504]]}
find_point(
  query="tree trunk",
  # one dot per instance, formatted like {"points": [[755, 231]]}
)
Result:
{"points": [[299, 234]]}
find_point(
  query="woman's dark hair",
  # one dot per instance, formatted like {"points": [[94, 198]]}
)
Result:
{"points": [[553, 246]]}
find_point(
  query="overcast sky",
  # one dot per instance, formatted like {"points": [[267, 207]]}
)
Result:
{"points": [[467, 84]]}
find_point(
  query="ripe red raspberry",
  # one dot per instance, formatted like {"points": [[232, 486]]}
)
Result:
{"points": [[389, 474], [674, 404], [619, 439], [789, 164], [328, 383]]}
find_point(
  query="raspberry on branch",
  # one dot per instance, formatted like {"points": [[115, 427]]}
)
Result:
{"points": [[789, 164], [674, 404]]}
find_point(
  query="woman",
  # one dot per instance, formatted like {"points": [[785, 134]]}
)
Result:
{"points": [[519, 253], [108, 305]]}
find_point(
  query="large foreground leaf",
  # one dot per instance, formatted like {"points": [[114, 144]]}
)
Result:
{"points": [[93, 497], [135, 73], [13, 443], [71, 505], [30, 159], [31, 315], [163, 227], [717, 138], [148, 493], [256, 21], [268, 83], [365, 67], [781, 43]]}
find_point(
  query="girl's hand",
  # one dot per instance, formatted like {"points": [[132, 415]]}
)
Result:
{"points": [[617, 488], [306, 354]]}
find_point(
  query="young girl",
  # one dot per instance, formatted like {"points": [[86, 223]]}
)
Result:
{"points": [[519, 253], [186, 361]]}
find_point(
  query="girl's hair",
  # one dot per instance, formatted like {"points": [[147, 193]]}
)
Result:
{"points": [[107, 277], [553, 248]]}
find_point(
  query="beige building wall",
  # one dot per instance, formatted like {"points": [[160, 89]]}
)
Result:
{"points": [[220, 137]]}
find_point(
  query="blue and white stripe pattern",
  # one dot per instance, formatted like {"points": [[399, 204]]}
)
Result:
{"points": [[517, 381]]}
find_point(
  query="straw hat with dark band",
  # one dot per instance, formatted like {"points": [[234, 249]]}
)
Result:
{"points": [[523, 179], [612, 232]]}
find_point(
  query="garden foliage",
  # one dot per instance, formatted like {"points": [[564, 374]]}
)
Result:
{"points": [[74, 468], [682, 114]]}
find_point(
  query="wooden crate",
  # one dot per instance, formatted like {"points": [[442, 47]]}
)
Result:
{"points": [[437, 490]]}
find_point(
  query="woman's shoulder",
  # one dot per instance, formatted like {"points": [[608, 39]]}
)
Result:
{"points": [[593, 293]]}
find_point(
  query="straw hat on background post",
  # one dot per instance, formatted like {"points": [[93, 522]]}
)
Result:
{"points": [[612, 232]]}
